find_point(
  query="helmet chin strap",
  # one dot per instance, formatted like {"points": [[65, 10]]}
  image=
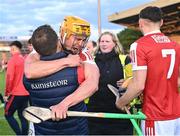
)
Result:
{"points": [[64, 37], [62, 40], [85, 43], [66, 50]]}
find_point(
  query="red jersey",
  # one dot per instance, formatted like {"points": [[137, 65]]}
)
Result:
{"points": [[160, 56], [14, 76], [87, 58]]}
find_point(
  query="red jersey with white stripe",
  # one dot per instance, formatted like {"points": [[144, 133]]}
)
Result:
{"points": [[160, 56], [86, 56], [14, 76]]}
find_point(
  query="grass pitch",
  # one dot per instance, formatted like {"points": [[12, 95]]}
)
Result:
{"points": [[4, 127]]}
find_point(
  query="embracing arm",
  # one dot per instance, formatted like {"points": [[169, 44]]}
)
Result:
{"points": [[134, 89], [88, 87], [34, 68], [85, 90]]}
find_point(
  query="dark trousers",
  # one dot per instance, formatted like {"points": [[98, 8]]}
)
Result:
{"points": [[109, 127], [17, 103]]}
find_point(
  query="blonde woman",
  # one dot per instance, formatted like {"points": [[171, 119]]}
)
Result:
{"points": [[111, 72]]}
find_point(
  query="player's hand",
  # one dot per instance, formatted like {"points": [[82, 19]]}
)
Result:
{"points": [[59, 111], [5, 98], [119, 83], [74, 60]]}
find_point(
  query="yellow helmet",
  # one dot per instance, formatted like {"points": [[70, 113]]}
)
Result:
{"points": [[74, 25]]}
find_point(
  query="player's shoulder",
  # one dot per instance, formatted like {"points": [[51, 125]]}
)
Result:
{"points": [[14, 58], [145, 40], [86, 57], [140, 42]]}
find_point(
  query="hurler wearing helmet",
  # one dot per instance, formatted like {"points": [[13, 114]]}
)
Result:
{"points": [[73, 30], [74, 26], [62, 90], [74, 34]]}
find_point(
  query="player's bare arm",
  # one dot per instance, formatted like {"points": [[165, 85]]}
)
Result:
{"points": [[85, 90], [34, 68], [179, 78], [134, 89]]}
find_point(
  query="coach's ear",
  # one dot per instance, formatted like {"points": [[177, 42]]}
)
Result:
{"points": [[161, 22]]}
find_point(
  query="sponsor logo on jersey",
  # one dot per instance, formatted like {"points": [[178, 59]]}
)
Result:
{"points": [[50, 84]]}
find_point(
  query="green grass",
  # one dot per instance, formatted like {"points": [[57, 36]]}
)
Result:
{"points": [[4, 127], [2, 82]]}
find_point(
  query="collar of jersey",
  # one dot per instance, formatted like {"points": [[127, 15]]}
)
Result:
{"points": [[152, 32]]}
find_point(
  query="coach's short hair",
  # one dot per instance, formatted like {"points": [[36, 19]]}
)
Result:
{"points": [[44, 40], [151, 13]]}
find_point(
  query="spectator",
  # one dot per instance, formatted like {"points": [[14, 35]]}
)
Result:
{"points": [[29, 46], [91, 47], [108, 60]]}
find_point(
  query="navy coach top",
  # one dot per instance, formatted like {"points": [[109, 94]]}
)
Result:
{"points": [[52, 89]]}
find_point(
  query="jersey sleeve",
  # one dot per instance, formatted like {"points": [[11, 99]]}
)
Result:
{"points": [[87, 57], [138, 57], [9, 76]]}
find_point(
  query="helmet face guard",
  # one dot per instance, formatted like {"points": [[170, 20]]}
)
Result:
{"points": [[77, 43], [74, 26]]}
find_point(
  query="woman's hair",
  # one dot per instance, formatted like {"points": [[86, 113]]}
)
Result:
{"points": [[118, 47]]}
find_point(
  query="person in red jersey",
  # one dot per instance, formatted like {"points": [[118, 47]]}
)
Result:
{"points": [[156, 74], [16, 96]]}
